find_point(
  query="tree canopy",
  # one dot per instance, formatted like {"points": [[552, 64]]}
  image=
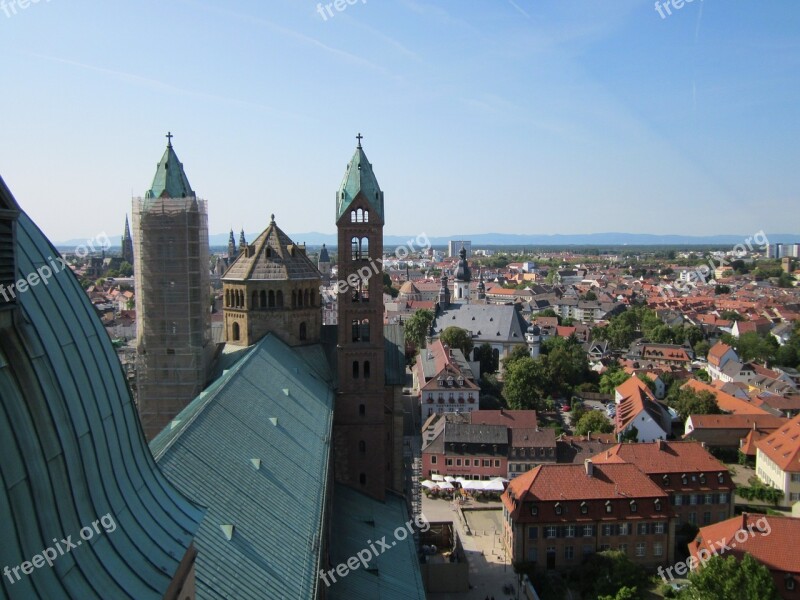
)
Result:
{"points": [[726, 577], [690, 402], [455, 337], [593, 421], [417, 328]]}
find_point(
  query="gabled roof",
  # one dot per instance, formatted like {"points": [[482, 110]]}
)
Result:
{"points": [[72, 448], [663, 457], [525, 419], [742, 421], [783, 446], [360, 180], [636, 398], [716, 353], [170, 180], [471, 433], [487, 322], [272, 256], [767, 538], [276, 408]]}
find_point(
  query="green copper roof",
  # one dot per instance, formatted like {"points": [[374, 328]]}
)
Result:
{"points": [[72, 448], [357, 521], [170, 179], [360, 179], [274, 407]]}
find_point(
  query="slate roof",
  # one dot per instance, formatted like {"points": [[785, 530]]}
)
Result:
{"points": [[358, 520], [278, 509], [469, 433], [72, 449], [272, 256], [487, 322]]}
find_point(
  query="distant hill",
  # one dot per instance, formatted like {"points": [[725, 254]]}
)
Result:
{"points": [[315, 238]]}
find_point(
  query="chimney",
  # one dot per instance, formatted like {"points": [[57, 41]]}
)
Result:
{"points": [[588, 436], [660, 444], [589, 466]]}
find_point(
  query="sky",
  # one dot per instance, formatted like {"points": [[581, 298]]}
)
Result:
{"points": [[510, 116]]}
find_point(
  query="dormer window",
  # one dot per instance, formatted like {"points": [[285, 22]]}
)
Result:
{"points": [[634, 508], [684, 479], [559, 508], [665, 480], [534, 510], [702, 478], [721, 478], [584, 508], [608, 506], [657, 505]]}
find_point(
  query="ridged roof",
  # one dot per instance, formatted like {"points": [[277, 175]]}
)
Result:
{"points": [[170, 179], [72, 450], [360, 179], [277, 508], [273, 256]]}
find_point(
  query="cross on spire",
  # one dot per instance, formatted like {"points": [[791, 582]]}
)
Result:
{"points": [[359, 137], [169, 139]]}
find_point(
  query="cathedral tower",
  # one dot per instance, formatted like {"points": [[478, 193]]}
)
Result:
{"points": [[127, 244], [362, 419]]}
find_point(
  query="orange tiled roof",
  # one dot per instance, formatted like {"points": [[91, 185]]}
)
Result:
{"points": [[570, 482], [716, 353], [662, 457], [636, 397], [765, 421], [771, 545], [726, 402], [783, 446]]}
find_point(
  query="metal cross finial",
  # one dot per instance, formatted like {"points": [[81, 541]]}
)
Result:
{"points": [[359, 137], [169, 139]]}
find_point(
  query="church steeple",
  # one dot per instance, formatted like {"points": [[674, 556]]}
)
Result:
{"points": [[359, 179], [170, 180], [127, 244], [231, 248], [242, 241]]}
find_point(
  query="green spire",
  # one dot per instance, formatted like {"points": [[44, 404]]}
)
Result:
{"points": [[170, 179], [359, 179]]}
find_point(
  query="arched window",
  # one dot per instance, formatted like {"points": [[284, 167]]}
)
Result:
{"points": [[366, 216], [254, 303], [362, 446], [263, 297], [355, 249], [294, 299], [364, 247], [355, 369], [271, 299], [303, 333], [227, 298], [235, 331], [360, 330], [280, 299], [366, 369], [305, 298]]}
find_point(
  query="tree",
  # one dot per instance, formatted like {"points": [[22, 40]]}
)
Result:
{"points": [[525, 382], [696, 403], [731, 315], [612, 379], [590, 295], [486, 357], [625, 593], [726, 577], [703, 376], [565, 364], [593, 421], [125, 269], [387, 286], [455, 337], [418, 327], [607, 572], [752, 346], [701, 349]]}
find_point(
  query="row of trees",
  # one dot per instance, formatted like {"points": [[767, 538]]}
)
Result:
{"points": [[640, 321]]}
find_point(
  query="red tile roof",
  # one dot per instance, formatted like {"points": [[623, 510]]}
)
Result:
{"points": [[525, 419], [636, 397], [768, 539], [663, 457], [726, 402], [716, 353], [570, 482], [769, 422], [783, 446]]}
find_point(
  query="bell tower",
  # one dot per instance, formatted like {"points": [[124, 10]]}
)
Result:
{"points": [[362, 435]]}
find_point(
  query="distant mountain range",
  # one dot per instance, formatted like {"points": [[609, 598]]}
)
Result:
{"points": [[315, 238]]}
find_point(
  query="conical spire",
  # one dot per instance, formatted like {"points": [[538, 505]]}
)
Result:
{"points": [[359, 179], [127, 243], [170, 180], [242, 241]]}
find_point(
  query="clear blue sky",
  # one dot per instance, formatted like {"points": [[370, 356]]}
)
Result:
{"points": [[523, 116]]}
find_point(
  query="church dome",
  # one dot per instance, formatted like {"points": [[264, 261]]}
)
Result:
{"points": [[463, 272]]}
